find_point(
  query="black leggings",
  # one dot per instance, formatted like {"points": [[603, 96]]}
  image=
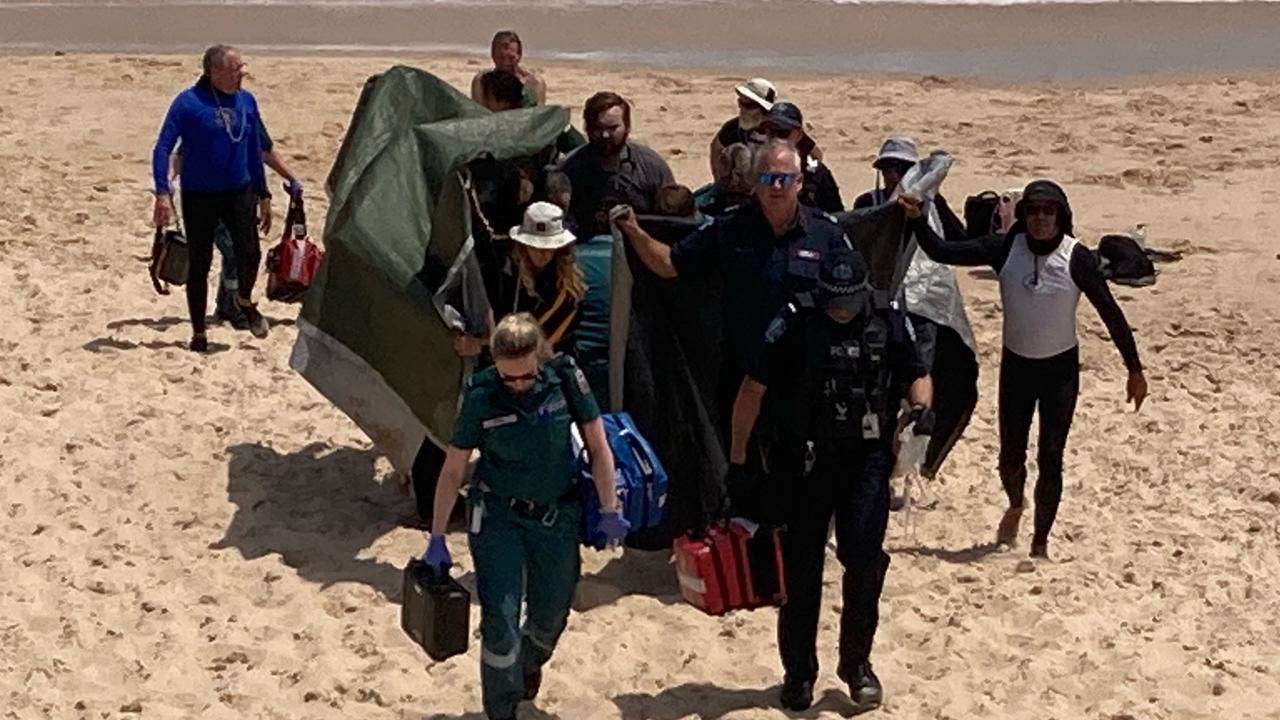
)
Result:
{"points": [[201, 214], [1053, 383]]}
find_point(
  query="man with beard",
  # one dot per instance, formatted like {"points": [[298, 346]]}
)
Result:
{"points": [[610, 169], [755, 98]]}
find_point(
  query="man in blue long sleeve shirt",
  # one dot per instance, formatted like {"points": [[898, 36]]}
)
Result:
{"points": [[222, 181]]}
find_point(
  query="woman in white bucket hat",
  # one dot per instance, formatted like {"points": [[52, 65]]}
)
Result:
{"points": [[538, 275]]}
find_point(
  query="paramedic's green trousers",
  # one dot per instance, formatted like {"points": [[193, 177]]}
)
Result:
{"points": [[514, 551]]}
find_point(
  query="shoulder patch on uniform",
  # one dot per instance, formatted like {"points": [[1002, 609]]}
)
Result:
{"points": [[776, 329], [557, 402]]}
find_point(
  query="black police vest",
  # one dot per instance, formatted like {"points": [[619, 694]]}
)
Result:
{"points": [[850, 387], [845, 389]]}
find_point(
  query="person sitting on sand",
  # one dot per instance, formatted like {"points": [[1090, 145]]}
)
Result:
{"points": [[1043, 270], [755, 98], [610, 166], [507, 51]]}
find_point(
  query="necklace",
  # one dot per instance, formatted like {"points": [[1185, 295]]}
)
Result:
{"points": [[224, 119]]}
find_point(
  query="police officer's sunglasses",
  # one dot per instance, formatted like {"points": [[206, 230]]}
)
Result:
{"points": [[781, 180]]}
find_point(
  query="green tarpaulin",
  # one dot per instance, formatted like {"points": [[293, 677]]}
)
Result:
{"points": [[374, 326]]}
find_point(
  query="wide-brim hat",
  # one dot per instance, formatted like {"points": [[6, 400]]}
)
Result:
{"points": [[542, 228], [759, 91], [899, 149]]}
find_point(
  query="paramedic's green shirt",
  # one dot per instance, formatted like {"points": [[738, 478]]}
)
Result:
{"points": [[524, 438]]}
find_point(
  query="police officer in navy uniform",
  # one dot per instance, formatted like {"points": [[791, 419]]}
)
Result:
{"points": [[524, 502], [835, 367], [766, 251]]}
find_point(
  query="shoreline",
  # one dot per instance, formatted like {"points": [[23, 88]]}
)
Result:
{"points": [[1034, 43]]}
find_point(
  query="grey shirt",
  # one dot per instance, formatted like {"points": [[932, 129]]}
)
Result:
{"points": [[640, 174]]}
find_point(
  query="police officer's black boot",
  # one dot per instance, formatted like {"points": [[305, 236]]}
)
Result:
{"points": [[532, 684], [864, 688], [796, 695]]}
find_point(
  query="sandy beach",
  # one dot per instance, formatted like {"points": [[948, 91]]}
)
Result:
{"points": [[207, 537]]}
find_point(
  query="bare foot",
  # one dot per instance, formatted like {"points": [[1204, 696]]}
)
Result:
{"points": [[1007, 532]]}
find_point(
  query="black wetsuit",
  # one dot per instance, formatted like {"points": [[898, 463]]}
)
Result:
{"points": [[1050, 381]]}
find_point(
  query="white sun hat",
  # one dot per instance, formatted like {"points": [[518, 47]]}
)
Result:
{"points": [[760, 91], [543, 227]]}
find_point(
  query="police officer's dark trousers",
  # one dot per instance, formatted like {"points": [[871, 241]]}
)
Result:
{"points": [[515, 550], [851, 481]]}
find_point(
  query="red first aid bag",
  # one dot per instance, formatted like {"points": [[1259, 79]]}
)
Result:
{"points": [[707, 570], [731, 566], [292, 263]]}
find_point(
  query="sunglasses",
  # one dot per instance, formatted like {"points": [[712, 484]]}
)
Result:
{"points": [[512, 379], [781, 180], [896, 166], [779, 133]]}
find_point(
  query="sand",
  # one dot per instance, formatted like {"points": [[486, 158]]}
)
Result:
{"points": [[191, 536]]}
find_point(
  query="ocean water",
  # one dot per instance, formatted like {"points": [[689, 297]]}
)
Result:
{"points": [[1000, 39]]}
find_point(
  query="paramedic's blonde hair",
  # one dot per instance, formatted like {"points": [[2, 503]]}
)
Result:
{"points": [[518, 335]]}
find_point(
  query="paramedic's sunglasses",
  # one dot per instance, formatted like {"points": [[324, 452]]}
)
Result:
{"points": [[779, 180], [779, 133], [513, 379]]}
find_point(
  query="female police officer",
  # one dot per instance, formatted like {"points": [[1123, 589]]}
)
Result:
{"points": [[836, 365], [524, 502]]}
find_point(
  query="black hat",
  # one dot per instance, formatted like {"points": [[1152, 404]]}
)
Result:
{"points": [[1051, 192], [842, 282], [785, 116]]}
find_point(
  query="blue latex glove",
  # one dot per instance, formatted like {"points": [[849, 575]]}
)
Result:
{"points": [[613, 526], [437, 555], [295, 188]]}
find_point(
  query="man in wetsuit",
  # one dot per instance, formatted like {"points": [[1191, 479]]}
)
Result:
{"points": [[1043, 270]]}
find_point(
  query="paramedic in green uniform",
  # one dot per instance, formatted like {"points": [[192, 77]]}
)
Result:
{"points": [[525, 503]]}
